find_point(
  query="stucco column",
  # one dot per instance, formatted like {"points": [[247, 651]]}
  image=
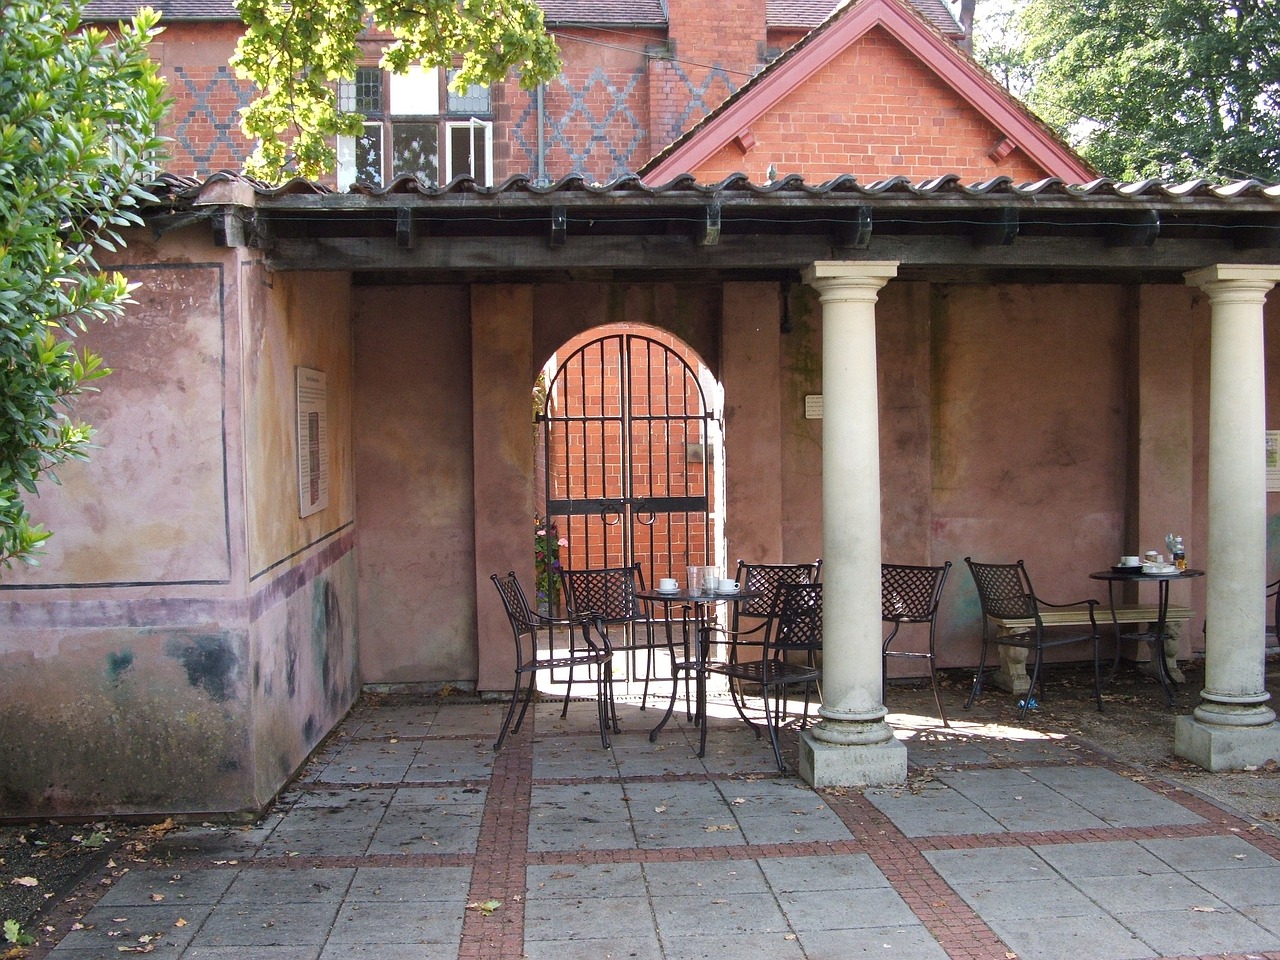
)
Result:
{"points": [[852, 744], [502, 378], [1233, 726]]}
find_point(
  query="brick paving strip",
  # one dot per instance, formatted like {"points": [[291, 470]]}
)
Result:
{"points": [[498, 872]]}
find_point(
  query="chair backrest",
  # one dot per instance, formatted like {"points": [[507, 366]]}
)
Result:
{"points": [[515, 603], [1004, 589], [799, 619], [606, 593], [910, 594], [763, 579]]}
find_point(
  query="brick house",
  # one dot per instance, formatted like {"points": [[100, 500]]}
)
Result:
{"points": [[1013, 363]]}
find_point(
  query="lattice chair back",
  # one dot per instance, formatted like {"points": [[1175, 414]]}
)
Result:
{"points": [[516, 606], [608, 593], [910, 594], [1004, 589], [799, 620], [764, 579]]}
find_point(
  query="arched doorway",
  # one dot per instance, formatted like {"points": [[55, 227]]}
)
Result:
{"points": [[629, 448]]}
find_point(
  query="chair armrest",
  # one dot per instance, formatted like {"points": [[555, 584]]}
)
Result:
{"points": [[1091, 604]]}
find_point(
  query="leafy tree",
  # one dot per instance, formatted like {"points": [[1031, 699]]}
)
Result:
{"points": [[1166, 88], [294, 53], [79, 112]]}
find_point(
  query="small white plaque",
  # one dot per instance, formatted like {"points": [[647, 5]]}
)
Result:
{"points": [[813, 406], [313, 442]]}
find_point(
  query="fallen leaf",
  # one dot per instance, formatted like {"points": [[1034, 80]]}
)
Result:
{"points": [[487, 907], [180, 922], [24, 882], [712, 828], [661, 808], [1204, 909], [157, 897]]}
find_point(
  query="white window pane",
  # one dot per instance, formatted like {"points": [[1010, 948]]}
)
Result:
{"points": [[472, 101], [360, 158], [470, 151], [416, 93], [414, 150]]}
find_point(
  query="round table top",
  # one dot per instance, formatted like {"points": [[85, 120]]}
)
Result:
{"points": [[685, 595], [1137, 574]]}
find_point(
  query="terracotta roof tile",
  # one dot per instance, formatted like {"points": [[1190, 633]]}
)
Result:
{"points": [[604, 11], [555, 11], [169, 9], [810, 13], [781, 13]]}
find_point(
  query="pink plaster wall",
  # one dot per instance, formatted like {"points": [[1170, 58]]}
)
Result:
{"points": [[178, 650], [415, 484]]}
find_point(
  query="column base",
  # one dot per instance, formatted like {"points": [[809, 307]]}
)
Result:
{"points": [[1218, 748], [856, 765]]}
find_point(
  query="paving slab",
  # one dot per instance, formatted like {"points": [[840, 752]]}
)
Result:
{"points": [[409, 837]]}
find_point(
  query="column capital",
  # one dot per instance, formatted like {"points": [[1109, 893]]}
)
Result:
{"points": [[850, 279], [1243, 282]]}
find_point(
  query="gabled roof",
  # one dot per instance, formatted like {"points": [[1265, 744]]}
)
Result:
{"points": [[846, 26], [604, 12], [781, 13], [168, 9], [810, 13]]}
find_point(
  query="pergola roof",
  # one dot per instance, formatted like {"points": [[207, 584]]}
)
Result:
{"points": [[940, 228]]}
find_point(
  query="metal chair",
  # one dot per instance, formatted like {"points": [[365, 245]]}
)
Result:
{"points": [[1273, 604], [594, 652], [609, 595], [911, 594], [1004, 591], [788, 656], [760, 582]]}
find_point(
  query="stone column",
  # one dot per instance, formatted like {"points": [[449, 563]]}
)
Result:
{"points": [[851, 745], [1233, 726]]}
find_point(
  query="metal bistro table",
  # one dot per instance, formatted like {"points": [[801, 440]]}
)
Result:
{"points": [[702, 605], [1159, 634]]}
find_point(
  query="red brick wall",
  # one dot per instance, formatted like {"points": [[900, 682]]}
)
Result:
{"points": [[204, 122], [660, 464], [596, 113], [875, 112]]}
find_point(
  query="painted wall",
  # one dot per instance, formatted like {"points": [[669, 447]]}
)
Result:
{"points": [[302, 571], [414, 483], [187, 639]]}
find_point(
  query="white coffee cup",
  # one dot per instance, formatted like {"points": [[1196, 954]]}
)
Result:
{"points": [[667, 583], [728, 586], [1130, 561]]}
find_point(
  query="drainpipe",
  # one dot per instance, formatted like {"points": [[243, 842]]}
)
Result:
{"points": [[542, 136]]}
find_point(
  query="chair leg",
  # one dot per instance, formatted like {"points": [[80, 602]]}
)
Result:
{"points": [[1037, 678], [771, 722], [604, 704], [937, 696], [1097, 673], [977, 680], [506, 721]]}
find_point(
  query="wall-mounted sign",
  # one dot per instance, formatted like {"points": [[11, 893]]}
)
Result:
{"points": [[313, 442], [813, 406]]}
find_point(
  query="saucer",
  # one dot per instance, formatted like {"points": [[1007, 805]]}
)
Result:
{"points": [[668, 589], [1159, 568]]}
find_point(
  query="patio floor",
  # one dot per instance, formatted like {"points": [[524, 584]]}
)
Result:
{"points": [[406, 837]]}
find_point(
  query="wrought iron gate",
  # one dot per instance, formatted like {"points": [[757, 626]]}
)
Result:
{"points": [[628, 463]]}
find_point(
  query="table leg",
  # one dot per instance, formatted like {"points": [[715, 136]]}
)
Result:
{"points": [[1111, 600], [1157, 644]]}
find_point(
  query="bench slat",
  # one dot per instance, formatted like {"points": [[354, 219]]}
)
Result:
{"points": [[1079, 616]]}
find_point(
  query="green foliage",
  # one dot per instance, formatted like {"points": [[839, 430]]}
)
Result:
{"points": [[79, 111], [13, 934], [296, 52], [1164, 88]]}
